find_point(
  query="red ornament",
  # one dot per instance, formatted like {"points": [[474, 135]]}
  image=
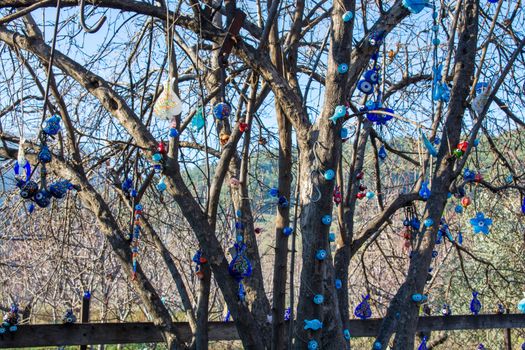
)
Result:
{"points": [[361, 195], [362, 188], [463, 146], [258, 230], [161, 148], [338, 198], [360, 175], [478, 177], [465, 201], [243, 127]]}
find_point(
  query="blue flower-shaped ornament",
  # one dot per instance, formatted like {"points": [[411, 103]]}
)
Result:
{"points": [[480, 223]]}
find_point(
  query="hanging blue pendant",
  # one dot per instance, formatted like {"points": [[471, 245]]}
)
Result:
{"points": [[382, 153], [52, 125], [475, 304], [240, 267], [363, 310], [44, 156], [423, 345]]}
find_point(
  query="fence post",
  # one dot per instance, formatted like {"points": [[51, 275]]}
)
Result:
{"points": [[84, 313], [507, 336]]}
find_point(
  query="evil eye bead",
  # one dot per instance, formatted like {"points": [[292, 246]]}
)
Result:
{"points": [[371, 76], [2, 330], [428, 222], [327, 219], [365, 87], [42, 199], [157, 157], [287, 231], [320, 255], [340, 111], [133, 193], [329, 175], [13, 328], [312, 345], [342, 68], [344, 133], [434, 253], [436, 41], [331, 237], [318, 299], [174, 132], [458, 209], [346, 334], [378, 345], [347, 16], [370, 195]]}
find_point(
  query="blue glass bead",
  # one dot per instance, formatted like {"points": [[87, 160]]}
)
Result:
{"points": [[174, 132], [436, 41], [287, 231], [318, 299], [320, 255], [327, 219], [435, 28], [331, 237], [370, 195], [428, 222], [133, 193], [312, 345], [338, 284], [274, 192], [157, 157], [329, 175], [342, 68], [458, 209], [346, 334], [378, 345], [344, 133], [347, 16]]}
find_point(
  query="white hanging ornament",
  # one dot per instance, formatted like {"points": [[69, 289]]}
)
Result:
{"points": [[22, 161], [483, 92], [168, 104]]}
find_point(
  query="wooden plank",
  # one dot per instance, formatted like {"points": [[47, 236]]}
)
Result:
{"points": [[104, 333], [127, 333], [84, 314], [370, 328]]}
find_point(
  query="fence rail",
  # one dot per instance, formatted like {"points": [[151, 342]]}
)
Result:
{"points": [[127, 333]]}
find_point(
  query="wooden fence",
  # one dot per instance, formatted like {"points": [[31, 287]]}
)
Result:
{"points": [[127, 333]]}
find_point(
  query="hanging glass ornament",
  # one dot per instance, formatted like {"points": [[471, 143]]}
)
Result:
{"points": [[338, 197], [314, 324], [243, 127], [347, 16], [419, 298], [52, 125], [10, 321], [521, 305], [313, 345], [460, 238], [43, 198], [69, 317], [363, 310], [44, 156], [523, 206], [199, 260], [137, 227], [423, 345], [221, 110], [475, 304], [27, 189], [441, 91], [161, 186], [168, 104], [59, 189], [287, 314], [445, 310], [424, 192], [22, 166], [240, 267], [339, 112], [482, 96], [342, 68], [415, 7], [382, 153], [428, 145], [197, 122], [480, 223]]}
